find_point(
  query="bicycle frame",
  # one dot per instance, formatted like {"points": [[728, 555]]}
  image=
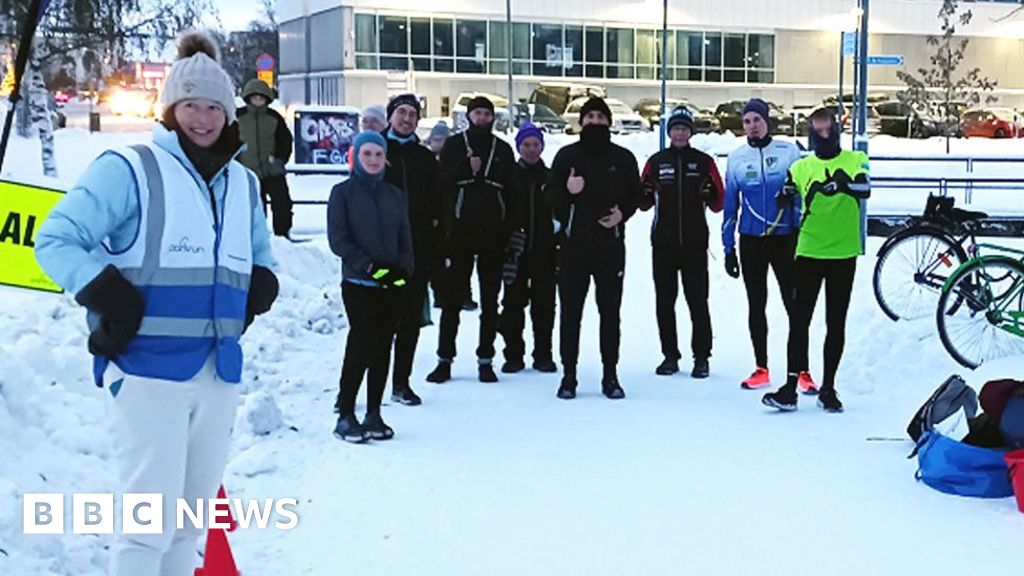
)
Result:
{"points": [[996, 312]]}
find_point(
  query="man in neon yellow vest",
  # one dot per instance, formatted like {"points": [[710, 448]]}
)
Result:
{"points": [[833, 185]]}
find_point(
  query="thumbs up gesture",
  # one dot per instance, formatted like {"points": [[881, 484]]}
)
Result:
{"points": [[575, 183], [474, 160]]}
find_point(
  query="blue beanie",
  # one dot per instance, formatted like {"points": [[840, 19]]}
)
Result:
{"points": [[757, 106], [363, 138], [528, 130]]}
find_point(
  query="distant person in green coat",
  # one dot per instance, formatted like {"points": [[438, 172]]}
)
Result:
{"points": [[268, 147]]}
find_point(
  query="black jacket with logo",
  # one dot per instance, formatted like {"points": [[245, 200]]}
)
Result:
{"points": [[481, 208], [610, 179], [672, 183]]}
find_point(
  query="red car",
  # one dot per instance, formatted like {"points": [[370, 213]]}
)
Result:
{"points": [[991, 123], [61, 97]]}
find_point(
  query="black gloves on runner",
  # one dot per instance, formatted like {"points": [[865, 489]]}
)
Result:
{"points": [[387, 276], [513, 250], [732, 264], [120, 308]]}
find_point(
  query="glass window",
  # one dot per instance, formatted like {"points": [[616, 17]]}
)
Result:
{"points": [[421, 64], [713, 75], [444, 65], [394, 63], [366, 33], [548, 56], [443, 44], [497, 46], [419, 33], [366, 62], [671, 50], [713, 49], [471, 39], [645, 47], [620, 52], [761, 76], [689, 48], [692, 74], [734, 75], [521, 42], [594, 52], [735, 50], [394, 35], [761, 51], [574, 50]]}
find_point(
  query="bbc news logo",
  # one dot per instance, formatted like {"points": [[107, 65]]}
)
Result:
{"points": [[144, 513]]}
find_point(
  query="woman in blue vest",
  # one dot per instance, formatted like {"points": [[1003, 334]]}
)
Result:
{"points": [[166, 245], [368, 227]]}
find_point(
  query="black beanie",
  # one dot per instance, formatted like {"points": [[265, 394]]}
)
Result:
{"points": [[598, 104], [479, 102], [403, 100], [757, 106]]}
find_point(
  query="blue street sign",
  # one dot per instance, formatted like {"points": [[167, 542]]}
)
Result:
{"points": [[849, 43], [893, 60]]}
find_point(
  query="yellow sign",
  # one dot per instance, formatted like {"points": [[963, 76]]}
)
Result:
{"points": [[267, 76], [22, 211]]}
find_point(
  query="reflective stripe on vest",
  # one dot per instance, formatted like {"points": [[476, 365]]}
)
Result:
{"points": [[192, 269]]}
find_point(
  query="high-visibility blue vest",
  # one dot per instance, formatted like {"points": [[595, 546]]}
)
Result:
{"points": [[192, 268]]}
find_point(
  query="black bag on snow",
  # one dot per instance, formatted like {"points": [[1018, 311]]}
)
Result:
{"points": [[949, 398]]}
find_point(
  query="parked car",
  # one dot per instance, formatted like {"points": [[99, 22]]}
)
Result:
{"points": [[540, 115], [902, 120], [730, 117], [558, 95], [61, 97], [991, 123], [502, 117], [704, 120], [624, 119]]}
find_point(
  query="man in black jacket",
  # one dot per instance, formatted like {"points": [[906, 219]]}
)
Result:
{"points": [[477, 174], [680, 182], [593, 188], [412, 168], [530, 268]]}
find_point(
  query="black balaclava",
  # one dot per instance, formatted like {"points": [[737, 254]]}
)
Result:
{"points": [[824, 148]]}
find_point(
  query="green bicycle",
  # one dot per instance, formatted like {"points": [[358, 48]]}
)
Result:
{"points": [[980, 313]]}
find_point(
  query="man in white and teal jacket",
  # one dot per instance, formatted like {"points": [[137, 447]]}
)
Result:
{"points": [[167, 247], [768, 223]]}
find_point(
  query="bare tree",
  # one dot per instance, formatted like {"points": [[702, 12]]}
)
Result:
{"points": [[938, 90]]}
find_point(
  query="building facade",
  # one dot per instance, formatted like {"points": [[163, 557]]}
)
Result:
{"points": [[359, 52]]}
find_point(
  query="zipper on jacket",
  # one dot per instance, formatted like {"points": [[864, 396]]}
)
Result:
{"points": [[458, 203], [680, 176], [572, 217], [764, 192], [259, 149], [531, 229]]}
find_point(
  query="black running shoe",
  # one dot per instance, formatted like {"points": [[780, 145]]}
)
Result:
{"points": [[375, 427], [782, 399], [442, 373], [567, 389], [350, 430], [405, 395], [545, 365], [667, 367], [487, 375], [828, 401], [513, 366], [611, 389], [701, 368]]}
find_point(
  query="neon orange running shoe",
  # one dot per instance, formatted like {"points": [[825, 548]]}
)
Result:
{"points": [[759, 379], [806, 384]]}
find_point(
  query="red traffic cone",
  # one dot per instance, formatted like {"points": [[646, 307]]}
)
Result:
{"points": [[218, 560]]}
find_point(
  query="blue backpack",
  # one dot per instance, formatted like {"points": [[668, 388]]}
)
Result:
{"points": [[961, 469]]}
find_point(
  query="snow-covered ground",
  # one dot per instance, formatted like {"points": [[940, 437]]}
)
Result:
{"points": [[684, 476]]}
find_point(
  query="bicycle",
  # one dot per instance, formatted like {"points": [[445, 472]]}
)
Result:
{"points": [[980, 313], [914, 264]]}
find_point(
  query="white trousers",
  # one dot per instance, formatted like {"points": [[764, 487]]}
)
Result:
{"points": [[170, 438]]}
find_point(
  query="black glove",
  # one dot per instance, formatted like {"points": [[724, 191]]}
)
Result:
{"points": [[387, 276], [263, 289], [120, 308], [516, 244], [732, 265], [786, 197], [510, 270], [841, 179], [708, 190]]}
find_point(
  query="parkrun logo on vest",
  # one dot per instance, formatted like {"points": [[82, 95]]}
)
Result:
{"points": [[144, 513], [184, 246]]}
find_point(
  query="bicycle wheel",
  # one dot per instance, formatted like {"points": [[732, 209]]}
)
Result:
{"points": [[911, 270], [988, 321]]}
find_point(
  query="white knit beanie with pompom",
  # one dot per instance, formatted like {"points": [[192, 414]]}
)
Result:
{"points": [[197, 74]]}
